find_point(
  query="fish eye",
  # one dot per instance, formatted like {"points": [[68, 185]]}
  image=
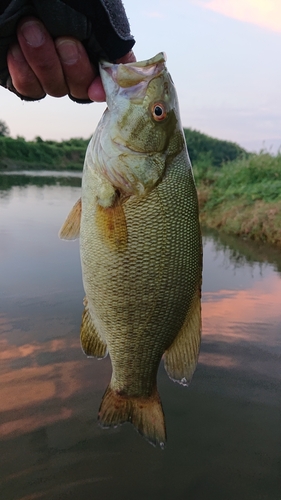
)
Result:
{"points": [[159, 112]]}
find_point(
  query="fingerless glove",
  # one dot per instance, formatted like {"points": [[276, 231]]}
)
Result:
{"points": [[101, 25]]}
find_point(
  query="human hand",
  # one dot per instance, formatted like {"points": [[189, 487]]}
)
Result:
{"points": [[39, 65]]}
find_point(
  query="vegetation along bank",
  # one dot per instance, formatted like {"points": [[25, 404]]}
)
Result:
{"points": [[239, 192]]}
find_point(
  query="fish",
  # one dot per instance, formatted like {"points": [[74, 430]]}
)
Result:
{"points": [[140, 245]]}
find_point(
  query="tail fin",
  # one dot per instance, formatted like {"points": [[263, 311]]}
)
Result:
{"points": [[146, 414]]}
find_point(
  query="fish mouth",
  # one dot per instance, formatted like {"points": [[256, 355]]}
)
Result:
{"points": [[135, 75]]}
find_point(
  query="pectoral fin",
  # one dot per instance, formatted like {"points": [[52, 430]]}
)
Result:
{"points": [[70, 229], [91, 342], [111, 222], [180, 359]]}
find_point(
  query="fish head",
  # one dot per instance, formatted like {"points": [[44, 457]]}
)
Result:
{"points": [[142, 102], [141, 126]]}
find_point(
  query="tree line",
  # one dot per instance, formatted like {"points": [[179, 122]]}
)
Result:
{"points": [[204, 151]]}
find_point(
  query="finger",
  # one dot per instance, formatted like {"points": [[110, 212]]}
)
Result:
{"points": [[40, 53], [77, 69], [96, 91], [24, 80]]}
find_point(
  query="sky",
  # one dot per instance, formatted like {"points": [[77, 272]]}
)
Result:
{"points": [[223, 55]]}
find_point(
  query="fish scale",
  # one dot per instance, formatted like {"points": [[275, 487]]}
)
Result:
{"points": [[154, 272], [140, 246]]}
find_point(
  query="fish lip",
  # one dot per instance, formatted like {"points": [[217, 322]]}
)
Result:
{"points": [[158, 58], [133, 75]]}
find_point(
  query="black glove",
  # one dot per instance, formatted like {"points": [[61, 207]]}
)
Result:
{"points": [[101, 25]]}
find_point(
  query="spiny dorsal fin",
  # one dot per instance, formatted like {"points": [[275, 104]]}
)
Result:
{"points": [[91, 342], [70, 229], [180, 359], [145, 413]]}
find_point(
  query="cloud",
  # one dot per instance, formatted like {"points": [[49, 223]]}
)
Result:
{"points": [[154, 14], [264, 13]]}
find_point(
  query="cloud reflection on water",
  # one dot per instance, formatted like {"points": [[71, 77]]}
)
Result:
{"points": [[220, 429], [41, 380], [229, 317], [226, 311]]}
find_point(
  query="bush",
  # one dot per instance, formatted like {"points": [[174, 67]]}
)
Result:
{"points": [[257, 177], [4, 129], [215, 150], [43, 154]]}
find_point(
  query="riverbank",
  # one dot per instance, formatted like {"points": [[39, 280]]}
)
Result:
{"points": [[243, 197], [239, 193], [19, 154]]}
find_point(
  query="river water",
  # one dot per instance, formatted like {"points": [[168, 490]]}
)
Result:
{"points": [[224, 431]]}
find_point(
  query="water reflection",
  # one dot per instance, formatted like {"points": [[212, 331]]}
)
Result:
{"points": [[241, 311], [22, 179], [224, 431], [241, 251]]}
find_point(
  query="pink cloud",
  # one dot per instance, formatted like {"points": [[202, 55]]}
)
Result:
{"points": [[264, 13]]}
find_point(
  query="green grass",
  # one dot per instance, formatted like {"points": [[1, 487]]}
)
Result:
{"points": [[257, 177], [243, 197]]}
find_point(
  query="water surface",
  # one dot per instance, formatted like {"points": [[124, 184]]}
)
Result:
{"points": [[224, 431]]}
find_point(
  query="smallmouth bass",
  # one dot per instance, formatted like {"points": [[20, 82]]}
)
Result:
{"points": [[140, 245]]}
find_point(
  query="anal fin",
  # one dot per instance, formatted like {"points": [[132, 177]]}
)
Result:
{"points": [[91, 342], [181, 358], [70, 229]]}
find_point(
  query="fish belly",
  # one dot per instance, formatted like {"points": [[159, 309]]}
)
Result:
{"points": [[139, 293]]}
